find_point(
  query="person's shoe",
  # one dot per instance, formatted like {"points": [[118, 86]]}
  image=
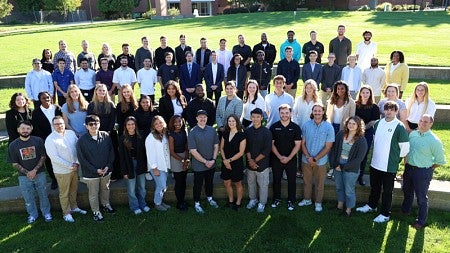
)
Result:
{"points": [[31, 220], [228, 204], [318, 207], [108, 208], [160, 208], [330, 174], [290, 206], [48, 218], [276, 203], [345, 214], [98, 216], [305, 202], [252, 203], [260, 208], [366, 209], [236, 207], [381, 218], [417, 226], [137, 211], [299, 174], [78, 210], [361, 181], [54, 185], [199, 209], [68, 218], [183, 207], [165, 205], [213, 203], [146, 209]]}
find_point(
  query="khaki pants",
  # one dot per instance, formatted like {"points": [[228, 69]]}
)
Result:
{"points": [[292, 92], [314, 175], [325, 96], [257, 179], [96, 186], [68, 188]]}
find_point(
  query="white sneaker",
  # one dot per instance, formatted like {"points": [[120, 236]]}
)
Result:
{"points": [[68, 218], [146, 209], [213, 203], [318, 207], [137, 211], [381, 218], [252, 203], [260, 208], [366, 209], [48, 217], [78, 210], [31, 220], [305, 202], [199, 209]]}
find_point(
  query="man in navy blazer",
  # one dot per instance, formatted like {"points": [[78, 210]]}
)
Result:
{"points": [[312, 69], [188, 79], [214, 76]]}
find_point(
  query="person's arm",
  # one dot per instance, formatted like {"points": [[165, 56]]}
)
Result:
{"points": [[53, 154], [361, 150], [241, 152]]}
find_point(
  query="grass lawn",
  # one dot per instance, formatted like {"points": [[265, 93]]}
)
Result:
{"points": [[391, 31], [224, 230]]}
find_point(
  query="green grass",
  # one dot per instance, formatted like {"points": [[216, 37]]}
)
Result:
{"points": [[222, 230], [420, 35]]}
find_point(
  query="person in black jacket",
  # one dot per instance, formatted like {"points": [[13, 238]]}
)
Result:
{"points": [[200, 102], [42, 125], [133, 164], [237, 73], [203, 55], [173, 102], [261, 71], [269, 50], [144, 115], [19, 111]]}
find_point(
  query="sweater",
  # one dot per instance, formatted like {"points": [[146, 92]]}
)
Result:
{"points": [[355, 157]]}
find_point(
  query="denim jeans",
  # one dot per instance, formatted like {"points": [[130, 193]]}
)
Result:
{"points": [[160, 186], [136, 200], [345, 187], [28, 188], [416, 181]]}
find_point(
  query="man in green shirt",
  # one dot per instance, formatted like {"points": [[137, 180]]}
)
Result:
{"points": [[425, 154]]}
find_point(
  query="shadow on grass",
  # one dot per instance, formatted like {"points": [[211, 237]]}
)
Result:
{"points": [[399, 19], [418, 242]]}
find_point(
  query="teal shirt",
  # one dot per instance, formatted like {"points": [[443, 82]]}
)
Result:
{"points": [[425, 150]]}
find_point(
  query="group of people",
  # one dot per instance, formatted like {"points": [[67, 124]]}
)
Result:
{"points": [[254, 130]]}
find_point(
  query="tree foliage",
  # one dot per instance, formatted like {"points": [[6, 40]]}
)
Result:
{"points": [[27, 5], [63, 6], [5, 8], [116, 8]]}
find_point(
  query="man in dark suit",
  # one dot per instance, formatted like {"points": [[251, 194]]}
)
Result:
{"points": [[202, 55], [312, 69], [180, 51], [214, 76], [190, 76]]}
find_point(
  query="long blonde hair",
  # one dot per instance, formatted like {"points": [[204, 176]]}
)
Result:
{"points": [[107, 101], [314, 85], [83, 104], [413, 99], [124, 105]]}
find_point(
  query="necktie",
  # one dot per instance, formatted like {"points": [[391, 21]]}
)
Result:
{"points": [[190, 69]]}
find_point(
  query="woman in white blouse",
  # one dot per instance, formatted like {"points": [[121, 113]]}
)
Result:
{"points": [[303, 104], [158, 159], [418, 105], [252, 100]]}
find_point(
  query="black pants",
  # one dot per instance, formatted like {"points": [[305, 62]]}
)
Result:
{"points": [[207, 176], [180, 186], [379, 179], [216, 94], [291, 171]]}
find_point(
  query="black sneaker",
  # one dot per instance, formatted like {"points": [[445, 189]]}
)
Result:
{"points": [[107, 208], [236, 207], [276, 203], [228, 205], [98, 216], [290, 206]]}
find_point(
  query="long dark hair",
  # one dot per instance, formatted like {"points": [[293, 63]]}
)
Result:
{"points": [[12, 102], [359, 130], [238, 123], [171, 125], [246, 93], [334, 97], [178, 93], [126, 135]]}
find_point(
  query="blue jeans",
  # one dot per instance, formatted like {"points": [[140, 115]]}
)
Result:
{"points": [[345, 187], [136, 201], [29, 187], [416, 181], [160, 186]]}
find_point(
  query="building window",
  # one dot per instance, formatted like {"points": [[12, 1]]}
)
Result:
{"points": [[174, 5], [203, 8]]}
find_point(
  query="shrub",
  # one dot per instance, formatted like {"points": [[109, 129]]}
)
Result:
{"points": [[381, 6], [113, 9], [398, 7], [5, 8], [173, 12]]}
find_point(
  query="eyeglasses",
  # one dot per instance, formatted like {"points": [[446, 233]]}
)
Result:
{"points": [[93, 123]]}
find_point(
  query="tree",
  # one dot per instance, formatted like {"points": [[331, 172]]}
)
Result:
{"points": [[63, 6], [116, 8], [5, 8], [27, 5]]}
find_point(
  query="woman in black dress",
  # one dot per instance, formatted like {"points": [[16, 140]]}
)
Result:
{"points": [[232, 148], [144, 115]]}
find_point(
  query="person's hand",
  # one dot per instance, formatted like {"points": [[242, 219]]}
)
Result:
{"points": [[75, 166], [156, 172], [209, 164], [227, 164], [213, 87], [125, 176], [311, 161], [284, 159], [32, 174], [338, 168], [185, 165]]}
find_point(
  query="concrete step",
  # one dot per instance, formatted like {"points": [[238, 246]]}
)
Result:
{"points": [[12, 201]]}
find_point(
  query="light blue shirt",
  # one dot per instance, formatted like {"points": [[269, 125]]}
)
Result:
{"points": [[355, 82], [273, 101], [85, 79], [76, 119], [316, 136], [37, 82]]}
